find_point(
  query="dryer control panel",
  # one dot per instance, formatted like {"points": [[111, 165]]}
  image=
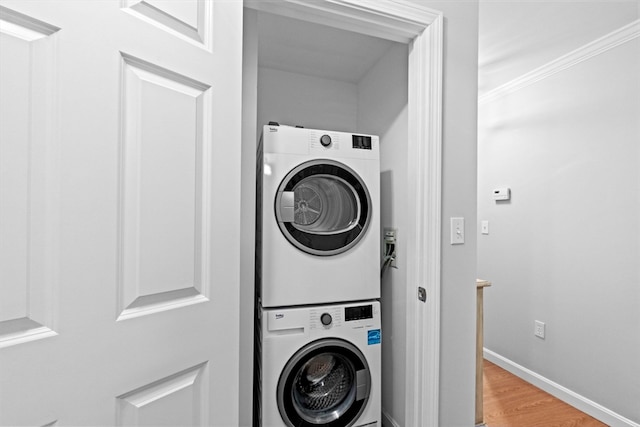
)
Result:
{"points": [[361, 142]]}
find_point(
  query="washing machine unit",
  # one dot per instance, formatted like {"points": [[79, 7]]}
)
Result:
{"points": [[321, 366], [318, 197]]}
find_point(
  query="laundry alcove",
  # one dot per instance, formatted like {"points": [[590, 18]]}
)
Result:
{"points": [[302, 73]]}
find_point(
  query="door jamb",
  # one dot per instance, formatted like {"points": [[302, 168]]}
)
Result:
{"points": [[422, 29]]}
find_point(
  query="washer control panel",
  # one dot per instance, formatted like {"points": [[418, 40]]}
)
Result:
{"points": [[328, 317], [358, 312]]}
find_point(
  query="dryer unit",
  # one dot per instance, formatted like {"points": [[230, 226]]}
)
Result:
{"points": [[318, 217], [321, 366]]}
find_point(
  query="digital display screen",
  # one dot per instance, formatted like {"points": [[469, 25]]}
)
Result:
{"points": [[361, 142], [358, 313]]}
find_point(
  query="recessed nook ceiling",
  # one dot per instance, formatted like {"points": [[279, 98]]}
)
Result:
{"points": [[303, 47]]}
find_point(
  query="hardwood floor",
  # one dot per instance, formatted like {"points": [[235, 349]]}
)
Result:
{"points": [[512, 402]]}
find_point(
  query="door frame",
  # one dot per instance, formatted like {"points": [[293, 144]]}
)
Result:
{"points": [[422, 29]]}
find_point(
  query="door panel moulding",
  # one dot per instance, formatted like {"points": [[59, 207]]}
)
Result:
{"points": [[596, 47], [31, 206], [422, 29]]}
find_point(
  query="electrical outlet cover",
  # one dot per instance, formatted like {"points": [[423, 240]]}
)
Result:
{"points": [[539, 329]]}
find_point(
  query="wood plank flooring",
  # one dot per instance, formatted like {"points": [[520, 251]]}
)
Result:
{"points": [[512, 402]]}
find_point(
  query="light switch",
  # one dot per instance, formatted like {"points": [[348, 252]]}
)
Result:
{"points": [[457, 231], [484, 226]]}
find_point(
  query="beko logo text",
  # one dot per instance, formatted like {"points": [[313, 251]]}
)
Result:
{"points": [[279, 316]]}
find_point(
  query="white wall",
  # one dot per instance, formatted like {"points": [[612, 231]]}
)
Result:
{"points": [[312, 102], [566, 249], [382, 111]]}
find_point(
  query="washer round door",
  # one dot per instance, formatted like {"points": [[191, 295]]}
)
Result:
{"points": [[323, 207], [326, 383]]}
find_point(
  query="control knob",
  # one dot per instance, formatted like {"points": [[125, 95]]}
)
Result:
{"points": [[325, 140], [326, 319]]}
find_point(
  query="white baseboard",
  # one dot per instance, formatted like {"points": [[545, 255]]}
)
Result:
{"points": [[574, 399], [388, 421]]}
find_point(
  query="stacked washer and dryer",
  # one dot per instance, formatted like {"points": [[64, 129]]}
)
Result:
{"points": [[318, 356]]}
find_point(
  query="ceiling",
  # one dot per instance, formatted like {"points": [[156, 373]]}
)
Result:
{"points": [[303, 47], [517, 36]]}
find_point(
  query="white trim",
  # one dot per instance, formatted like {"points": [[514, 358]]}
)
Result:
{"points": [[21, 337], [200, 36], [574, 399], [146, 309], [24, 27], [596, 47], [422, 28], [423, 269], [390, 19]]}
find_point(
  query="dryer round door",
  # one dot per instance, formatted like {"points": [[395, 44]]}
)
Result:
{"points": [[326, 383], [323, 207]]}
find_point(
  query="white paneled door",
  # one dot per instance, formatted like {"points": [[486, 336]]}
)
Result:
{"points": [[119, 212]]}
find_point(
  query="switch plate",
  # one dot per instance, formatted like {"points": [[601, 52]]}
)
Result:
{"points": [[457, 231], [539, 329], [484, 226]]}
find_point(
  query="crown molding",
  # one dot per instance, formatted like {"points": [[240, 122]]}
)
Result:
{"points": [[596, 47], [396, 20]]}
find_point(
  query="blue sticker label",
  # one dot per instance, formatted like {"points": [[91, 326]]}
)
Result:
{"points": [[373, 336]]}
